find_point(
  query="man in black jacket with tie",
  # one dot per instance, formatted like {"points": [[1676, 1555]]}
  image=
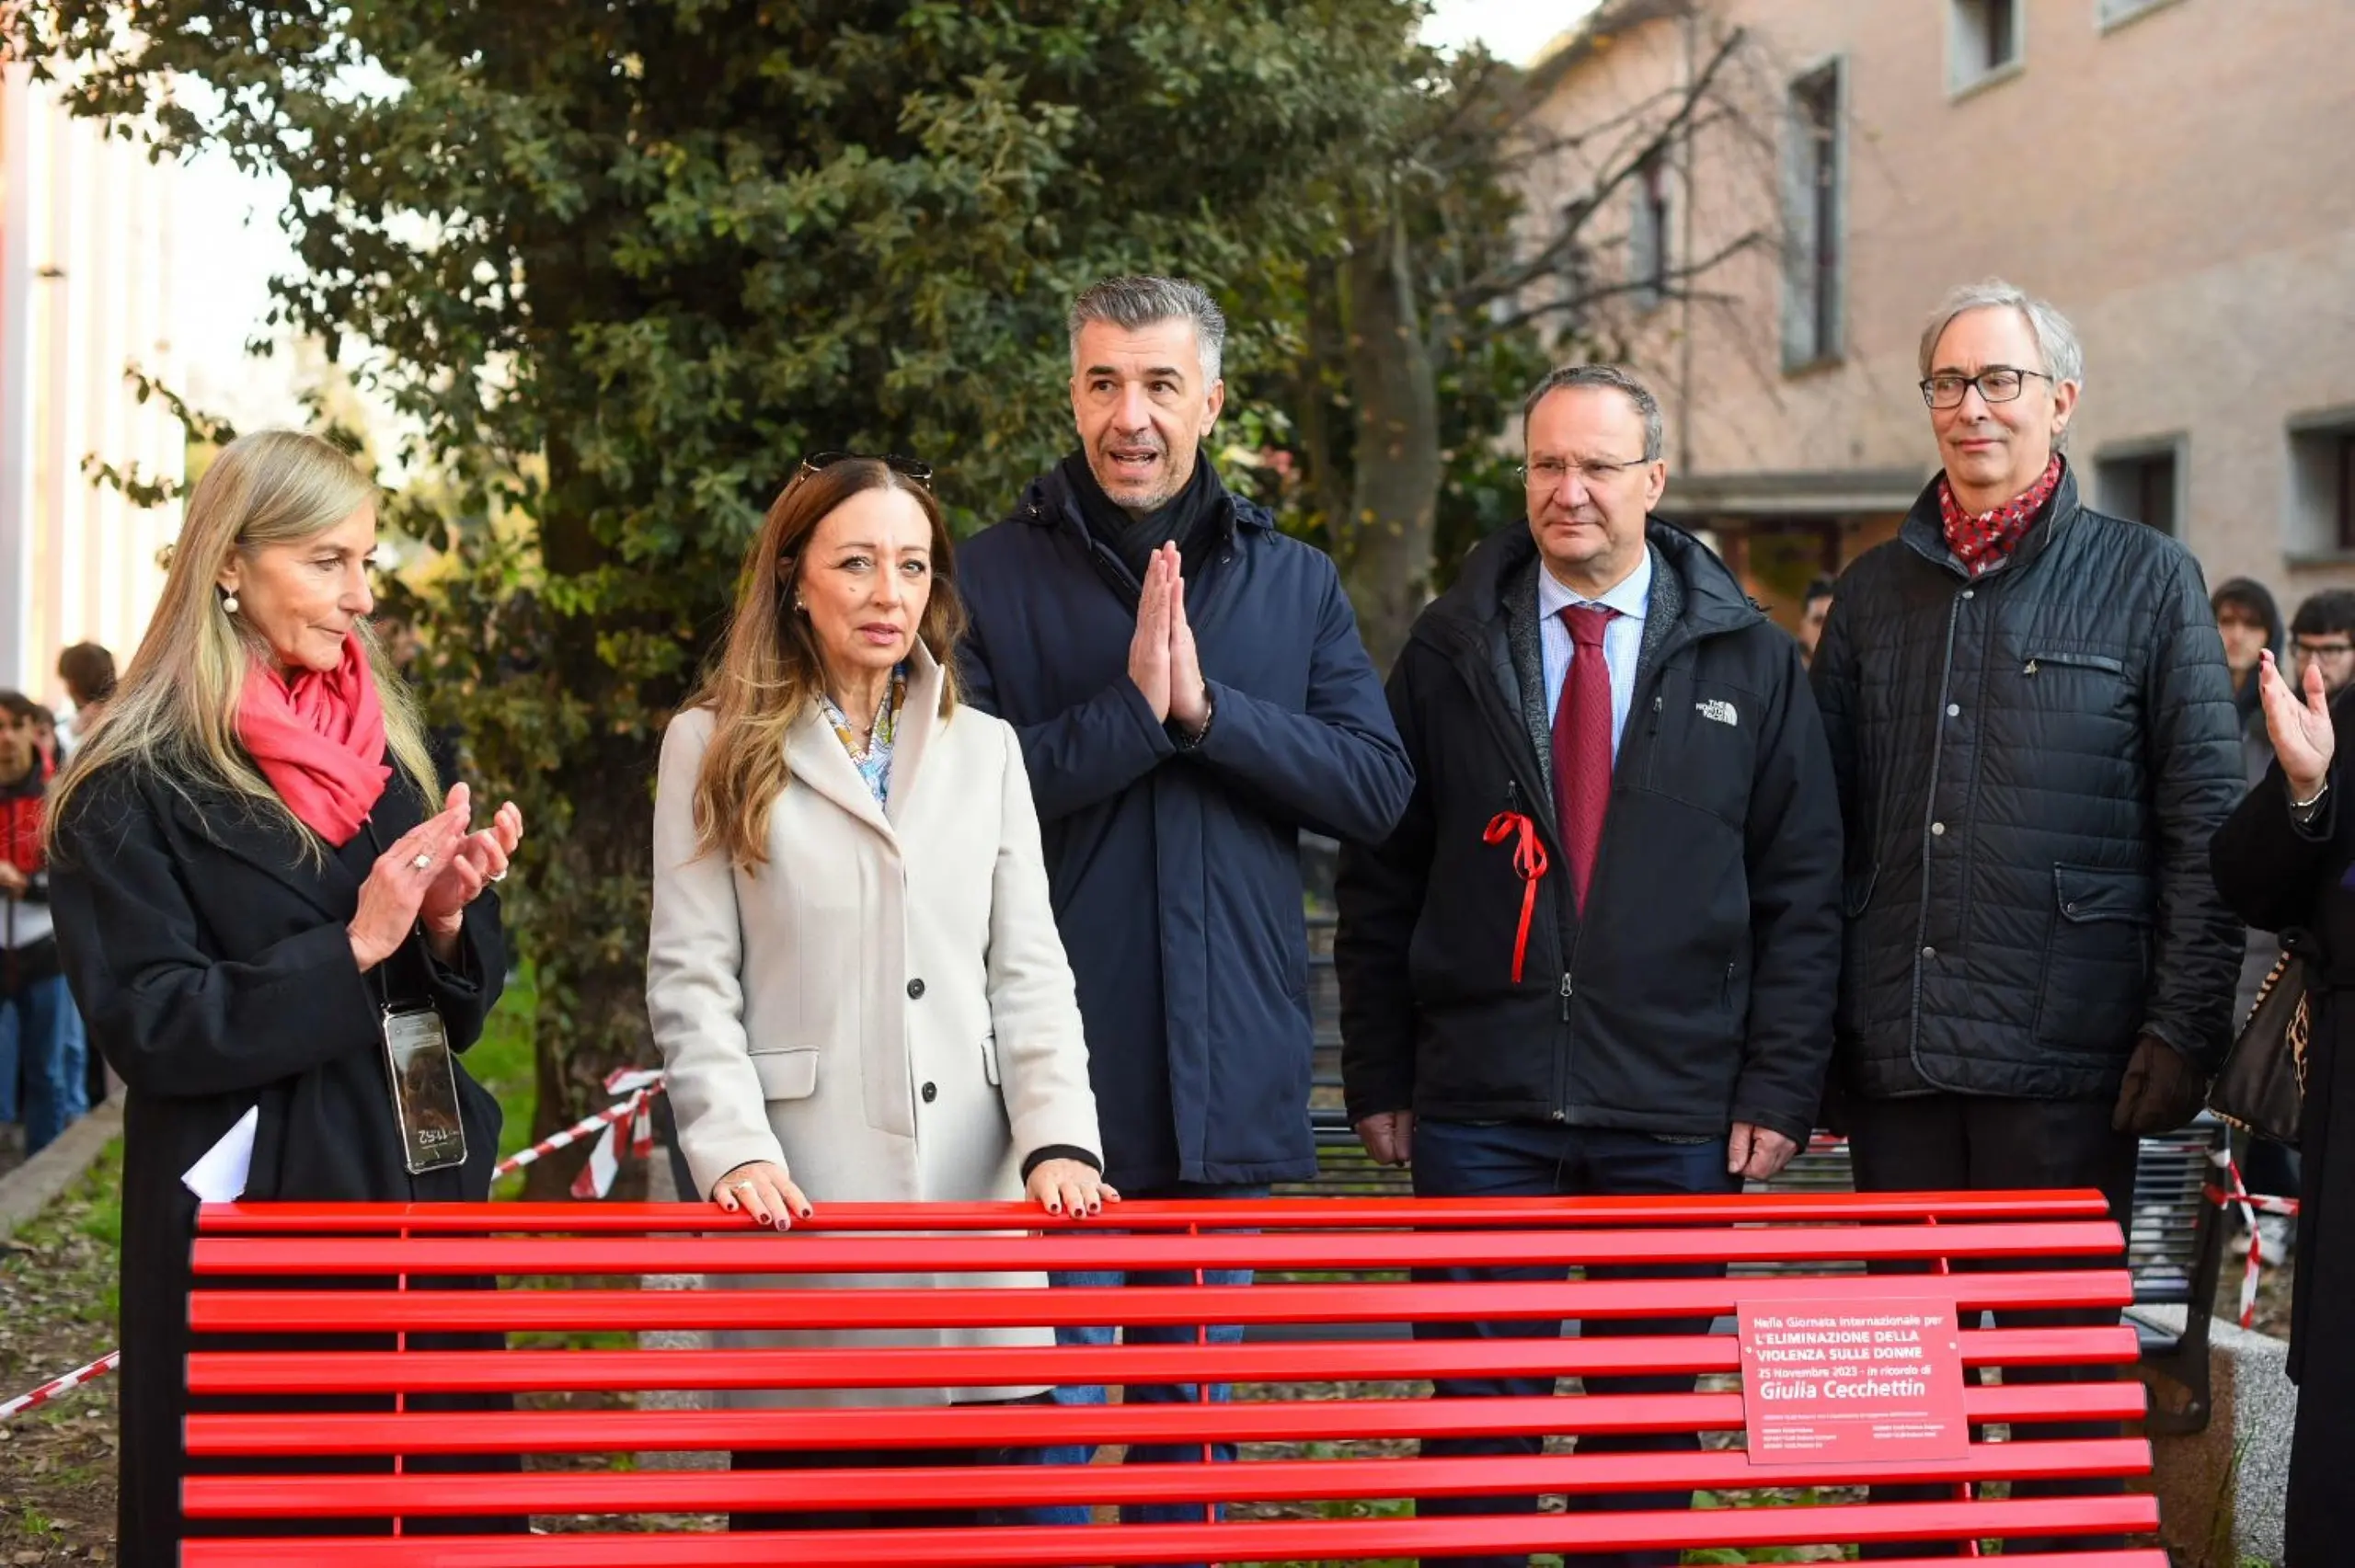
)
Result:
{"points": [[1598, 954]]}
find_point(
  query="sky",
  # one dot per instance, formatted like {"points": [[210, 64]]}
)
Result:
{"points": [[231, 244]]}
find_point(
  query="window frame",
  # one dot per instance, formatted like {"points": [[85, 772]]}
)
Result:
{"points": [[1815, 212], [2175, 449], [1965, 19], [2320, 491]]}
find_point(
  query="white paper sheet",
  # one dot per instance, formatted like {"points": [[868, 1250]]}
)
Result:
{"points": [[220, 1175]]}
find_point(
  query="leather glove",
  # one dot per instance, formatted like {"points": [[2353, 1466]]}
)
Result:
{"points": [[2163, 1090]]}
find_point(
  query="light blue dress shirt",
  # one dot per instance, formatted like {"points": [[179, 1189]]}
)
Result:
{"points": [[1622, 640]]}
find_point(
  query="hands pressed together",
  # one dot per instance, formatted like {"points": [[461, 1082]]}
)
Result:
{"points": [[429, 875], [1162, 658]]}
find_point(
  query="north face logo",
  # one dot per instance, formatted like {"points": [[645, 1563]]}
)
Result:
{"points": [[1718, 709]]}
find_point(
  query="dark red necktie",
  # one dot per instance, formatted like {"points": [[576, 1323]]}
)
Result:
{"points": [[1582, 744]]}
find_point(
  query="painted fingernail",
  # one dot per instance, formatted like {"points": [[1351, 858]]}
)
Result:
{"points": [[1054, 1208]]}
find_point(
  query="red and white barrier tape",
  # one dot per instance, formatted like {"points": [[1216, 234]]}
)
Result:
{"points": [[638, 1084], [2251, 1206], [65, 1385]]}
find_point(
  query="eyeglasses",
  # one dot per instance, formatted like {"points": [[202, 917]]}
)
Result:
{"points": [[1996, 384], [1547, 473], [907, 467], [2322, 650]]}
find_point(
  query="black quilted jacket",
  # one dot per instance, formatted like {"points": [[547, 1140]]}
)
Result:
{"points": [[2030, 767]]}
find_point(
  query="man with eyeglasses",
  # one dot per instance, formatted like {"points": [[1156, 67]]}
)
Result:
{"points": [[1598, 954], [2322, 633], [1191, 692], [2033, 728]]}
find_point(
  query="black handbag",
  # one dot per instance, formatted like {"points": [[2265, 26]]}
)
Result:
{"points": [[2262, 1089]]}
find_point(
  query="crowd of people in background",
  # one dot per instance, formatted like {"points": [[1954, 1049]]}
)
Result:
{"points": [[49, 1077]]}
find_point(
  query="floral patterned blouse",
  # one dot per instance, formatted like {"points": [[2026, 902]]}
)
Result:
{"points": [[874, 763]]}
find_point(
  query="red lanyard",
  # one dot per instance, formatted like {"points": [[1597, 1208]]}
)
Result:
{"points": [[1529, 860]]}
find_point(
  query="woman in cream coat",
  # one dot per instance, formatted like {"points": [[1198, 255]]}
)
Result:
{"points": [[854, 974]]}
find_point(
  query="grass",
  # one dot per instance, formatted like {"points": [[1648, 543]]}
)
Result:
{"points": [[501, 1062]]}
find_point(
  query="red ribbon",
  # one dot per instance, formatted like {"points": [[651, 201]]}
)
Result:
{"points": [[1529, 860]]}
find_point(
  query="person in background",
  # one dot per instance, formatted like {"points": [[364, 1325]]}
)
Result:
{"points": [[1811, 614], [2250, 622], [41, 1045], [2285, 861], [88, 671], [853, 970], [254, 863], [1191, 692]]}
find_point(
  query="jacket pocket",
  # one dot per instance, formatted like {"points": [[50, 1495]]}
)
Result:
{"points": [[790, 1074], [2101, 661], [2097, 960], [989, 1062]]}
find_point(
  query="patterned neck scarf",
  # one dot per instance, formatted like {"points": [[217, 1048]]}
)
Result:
{"points": [[1984, 541], [874, 763]]}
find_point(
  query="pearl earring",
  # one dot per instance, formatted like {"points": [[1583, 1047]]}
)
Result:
{"points": [[229, 603]]}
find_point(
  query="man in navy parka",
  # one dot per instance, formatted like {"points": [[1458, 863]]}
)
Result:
{"points": [[1191, 692]]}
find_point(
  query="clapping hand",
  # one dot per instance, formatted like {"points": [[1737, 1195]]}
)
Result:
{"points": [[2301, 731], [475, 861]]}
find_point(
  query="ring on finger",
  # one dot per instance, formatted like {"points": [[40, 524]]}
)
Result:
{"points": [[423, 863]]}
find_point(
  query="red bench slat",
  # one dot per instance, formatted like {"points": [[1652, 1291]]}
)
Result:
{"points": [[983, 1486], [222, 1434], [1241, 1540], [987, 1306], [1312, 1214], [521, 1371], [800, 1253]]}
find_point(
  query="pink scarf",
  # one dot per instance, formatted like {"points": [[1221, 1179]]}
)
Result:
{"points": [[319, 739]]}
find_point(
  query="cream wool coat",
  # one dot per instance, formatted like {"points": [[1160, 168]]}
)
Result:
{"points": [[884, 1008]]}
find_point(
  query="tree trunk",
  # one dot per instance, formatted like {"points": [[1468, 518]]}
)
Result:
{"points": [[1394, 495]]}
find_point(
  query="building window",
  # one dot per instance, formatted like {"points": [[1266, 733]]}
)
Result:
{"points": [[1647, 234], [1815, 252], [1983, 40], [2322, 459], [2141, 487]]}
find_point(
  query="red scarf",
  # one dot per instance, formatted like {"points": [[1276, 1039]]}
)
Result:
{"points": [[319, 739], [1984, 541]]}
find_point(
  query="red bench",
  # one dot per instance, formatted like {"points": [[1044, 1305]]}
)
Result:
{"points": [[1327, 1265]]}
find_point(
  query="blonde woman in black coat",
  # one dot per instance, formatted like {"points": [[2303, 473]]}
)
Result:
{"points": [[252, 859]]}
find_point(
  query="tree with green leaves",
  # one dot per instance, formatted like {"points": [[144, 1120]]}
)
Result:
{"points": [[1450, 292], [618, 266]]}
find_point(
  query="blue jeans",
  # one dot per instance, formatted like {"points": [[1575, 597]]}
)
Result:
{"points": [[41, 1040], [1530, 1159], [1145, 1393]]}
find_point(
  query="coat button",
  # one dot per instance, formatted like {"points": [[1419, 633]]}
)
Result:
{"points": [[1954, 710], [915, 990], [1937, 830], [931, 1093], [2068, 908], [1970, 593], [1929, 952]]}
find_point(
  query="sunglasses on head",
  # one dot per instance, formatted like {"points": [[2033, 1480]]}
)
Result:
{"points": [[906, 467]]}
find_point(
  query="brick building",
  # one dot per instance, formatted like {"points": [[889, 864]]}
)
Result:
{"points": [[2178, 176]]}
